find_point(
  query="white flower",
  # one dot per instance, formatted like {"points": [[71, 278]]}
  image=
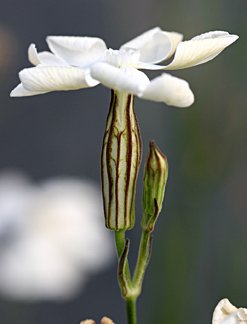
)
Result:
{"points": [[104, 320], [81, 62], [54, 237], [226, 313]]}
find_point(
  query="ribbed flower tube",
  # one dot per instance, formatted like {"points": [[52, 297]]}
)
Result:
{"points": [[120, 161]]}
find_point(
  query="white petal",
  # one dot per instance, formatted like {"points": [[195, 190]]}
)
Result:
{"points": [[46, 79], [49, 59], [44, 58], [20, 91], [33, 55], [149, 66], [154, 45], [77, 51], [141, 40], [223, 310], [175, 39], [170, 90], [122, 79], [200, 49]]}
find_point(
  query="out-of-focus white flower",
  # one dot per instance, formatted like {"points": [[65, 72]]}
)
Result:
{"points": [[58, 238], [81, 62], [15, 194], [104, 320], [226, 313]]}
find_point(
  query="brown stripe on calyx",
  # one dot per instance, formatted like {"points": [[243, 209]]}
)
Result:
{"points": [[128, 155], [107, 188]]}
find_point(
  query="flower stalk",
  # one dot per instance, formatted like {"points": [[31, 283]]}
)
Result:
{"points": [[155, 178]]}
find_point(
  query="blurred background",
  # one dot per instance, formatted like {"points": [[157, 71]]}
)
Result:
{"points": [[50, 146]]}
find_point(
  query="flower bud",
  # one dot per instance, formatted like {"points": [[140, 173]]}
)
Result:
{"points": [[155, 178], [120, 161]]}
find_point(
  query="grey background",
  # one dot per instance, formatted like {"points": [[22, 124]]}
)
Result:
{"points": [[199, 253]]}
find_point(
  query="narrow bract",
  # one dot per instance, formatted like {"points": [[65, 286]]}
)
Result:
{"points": [[120, 161]]}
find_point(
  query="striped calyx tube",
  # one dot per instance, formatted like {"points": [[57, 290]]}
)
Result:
{"points": [[120, 161]]}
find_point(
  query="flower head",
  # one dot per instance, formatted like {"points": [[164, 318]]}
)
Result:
{"points": [[80, 62], [226, 313]]}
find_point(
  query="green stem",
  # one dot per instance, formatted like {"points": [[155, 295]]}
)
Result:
{"points": [[120, 241], [130, 301], [133, 286], [131, 310], [143, 259]]}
